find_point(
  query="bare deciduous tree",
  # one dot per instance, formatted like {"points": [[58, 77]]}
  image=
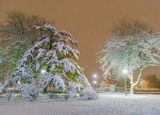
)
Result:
{"points": [[129, 28]]}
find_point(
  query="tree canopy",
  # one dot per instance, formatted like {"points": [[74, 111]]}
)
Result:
{"points": [[133, 52], [51, 62], [18, 35]]}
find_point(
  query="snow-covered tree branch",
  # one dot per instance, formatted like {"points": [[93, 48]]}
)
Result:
{"points": [[18, 35], [50, 62], [133, 53]]}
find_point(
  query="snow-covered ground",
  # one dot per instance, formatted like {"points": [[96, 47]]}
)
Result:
{"points": [[107, 104]]}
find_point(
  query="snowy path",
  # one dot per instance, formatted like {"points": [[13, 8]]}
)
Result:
{"points": [[107, 104]]}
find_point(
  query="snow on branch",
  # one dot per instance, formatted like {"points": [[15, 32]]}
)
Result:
{"points": [[51, 79], [50, 61], [133, 52]]}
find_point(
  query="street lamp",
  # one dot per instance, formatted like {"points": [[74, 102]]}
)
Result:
{"points": [[125, 71], [95, 76], [95, 79], [43, 71], [95, 83]]}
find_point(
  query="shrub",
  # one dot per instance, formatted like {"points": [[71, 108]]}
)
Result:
{"points": [[88, 94], [29, 92]]}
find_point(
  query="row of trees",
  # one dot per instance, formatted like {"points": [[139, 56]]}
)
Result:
{"points": [[133, 47]]}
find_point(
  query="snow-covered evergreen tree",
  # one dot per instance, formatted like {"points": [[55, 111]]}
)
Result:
{"points": [[51, 63]]}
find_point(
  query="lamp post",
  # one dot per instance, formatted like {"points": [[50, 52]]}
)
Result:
{"points": [[95, 80], [43, 71], [95, 76], [125, 71], [95, 83]]}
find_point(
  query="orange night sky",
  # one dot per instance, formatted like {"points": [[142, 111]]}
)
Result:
{"points": [[90, 21]]}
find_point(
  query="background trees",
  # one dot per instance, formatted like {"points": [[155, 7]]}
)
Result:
{"points": [[126, 27], [18, 35], [132, 48]]}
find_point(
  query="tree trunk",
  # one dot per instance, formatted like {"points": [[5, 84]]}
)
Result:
{"points": [[133, 84]]}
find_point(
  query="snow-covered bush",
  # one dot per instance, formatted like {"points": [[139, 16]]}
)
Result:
{"points": [[1, 89], [88, 94], [74, 88], [30, 91]]}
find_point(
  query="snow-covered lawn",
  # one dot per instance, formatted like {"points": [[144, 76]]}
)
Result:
{"points": [[107, 104]]}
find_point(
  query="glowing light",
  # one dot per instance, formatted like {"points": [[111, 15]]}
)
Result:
{"points": [[125, 71], [95, 82], [43, 71], [95, 76]]}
